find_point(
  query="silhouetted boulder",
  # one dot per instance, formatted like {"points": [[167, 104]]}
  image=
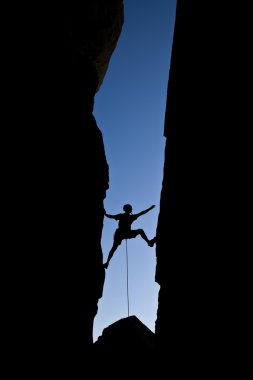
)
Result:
{"points": [[127, 333]]}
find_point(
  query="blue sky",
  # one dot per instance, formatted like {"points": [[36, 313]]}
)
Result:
{"points": [[130, 109]]}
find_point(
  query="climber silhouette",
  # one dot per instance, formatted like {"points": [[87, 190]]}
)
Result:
{"points": [[124, 229]]}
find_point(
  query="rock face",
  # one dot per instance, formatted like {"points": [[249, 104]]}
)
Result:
{"points": [[127, 332], [59, 177], [192, 235], [68, 175], [94, 28], [127, 344]]}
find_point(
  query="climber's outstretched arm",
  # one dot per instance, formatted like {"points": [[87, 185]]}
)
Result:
{"points": [[144, 211], [111, 216]]}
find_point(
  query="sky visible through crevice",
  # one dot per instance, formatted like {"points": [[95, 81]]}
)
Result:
{"points": [[130, 110]]}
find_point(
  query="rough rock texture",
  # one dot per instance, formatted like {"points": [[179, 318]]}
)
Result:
{"points": [[94, 30]]}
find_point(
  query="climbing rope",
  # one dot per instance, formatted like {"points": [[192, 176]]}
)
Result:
{"points": [[127, 279]]}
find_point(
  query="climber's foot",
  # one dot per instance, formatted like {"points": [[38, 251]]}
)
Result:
{"points": [[152, 242], [105, 265]]}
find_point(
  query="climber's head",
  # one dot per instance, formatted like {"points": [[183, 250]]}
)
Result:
{"points": [[127, 208]]}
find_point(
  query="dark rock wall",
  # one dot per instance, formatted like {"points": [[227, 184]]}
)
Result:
{"points": [[58, 179], [94, 29], [65, 176], [127, 333], [195, 209]]}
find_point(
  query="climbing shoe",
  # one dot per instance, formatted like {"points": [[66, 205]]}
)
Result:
{"points": [[152, 242]]}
